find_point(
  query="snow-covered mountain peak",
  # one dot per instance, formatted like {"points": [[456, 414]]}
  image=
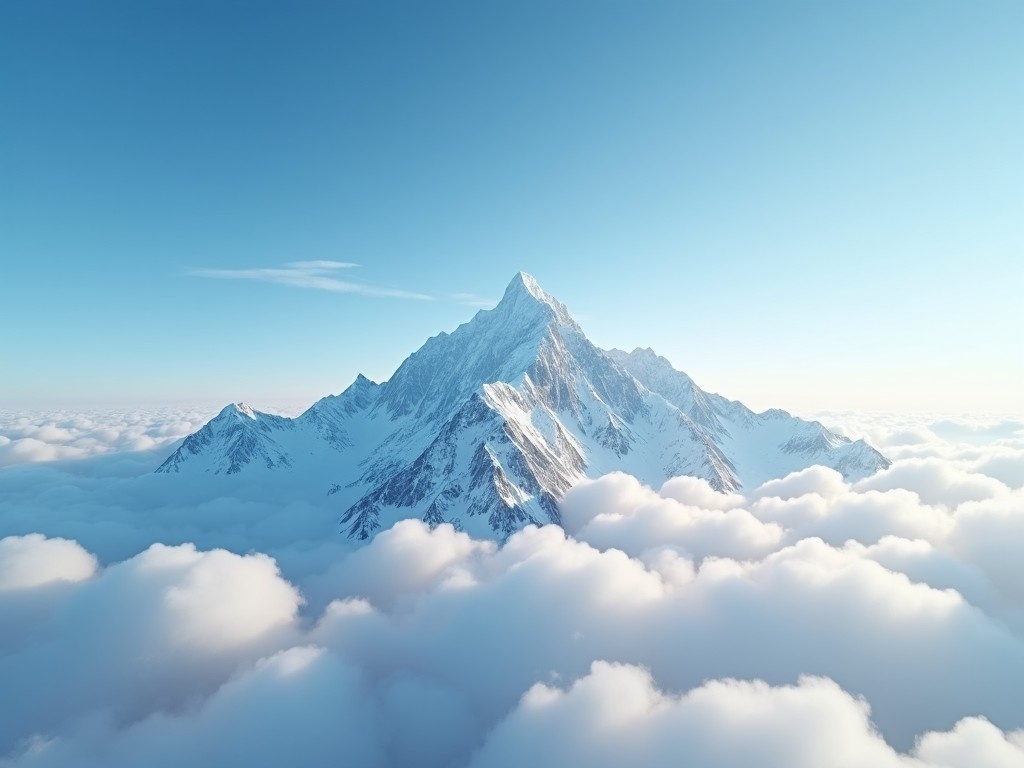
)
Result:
{"points": [[499, 344], [524, 282], [328, 414], [524, 297], [360, 386], [488, 426]]}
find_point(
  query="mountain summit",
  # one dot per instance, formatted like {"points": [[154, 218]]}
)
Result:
{"points": [[487, 428]]}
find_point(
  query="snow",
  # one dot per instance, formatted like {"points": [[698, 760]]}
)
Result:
{"points": [[489, 426]]}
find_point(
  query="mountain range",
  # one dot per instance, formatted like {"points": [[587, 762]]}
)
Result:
{"points": [[487, 427]]}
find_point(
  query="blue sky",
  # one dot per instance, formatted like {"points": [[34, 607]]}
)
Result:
{"points": [[804, 205]]}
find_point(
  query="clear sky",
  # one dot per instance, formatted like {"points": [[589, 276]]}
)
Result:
{"points": [[803, 205]]}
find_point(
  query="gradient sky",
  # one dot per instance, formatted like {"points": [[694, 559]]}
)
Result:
{"points": [[804, 205]]}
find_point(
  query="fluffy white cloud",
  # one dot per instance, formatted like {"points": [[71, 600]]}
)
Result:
{"points": [[144, 635], [821, 481], [989, 534], [301, 706], [1003, 464], [546, 604], [34, 560], [618, 511], [39, 437], [453, 644], [935, 481], [973, 743], [806, 622], [428, 558], [617, 716], [965, 441]]}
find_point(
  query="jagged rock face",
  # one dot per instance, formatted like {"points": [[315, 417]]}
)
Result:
{"points": [[489, 426]]}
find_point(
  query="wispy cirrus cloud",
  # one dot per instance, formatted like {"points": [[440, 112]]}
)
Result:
{"points": [[319, 275]]}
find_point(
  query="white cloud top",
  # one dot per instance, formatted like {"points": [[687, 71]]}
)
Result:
{"points": [[808, 622], [33, 561]]}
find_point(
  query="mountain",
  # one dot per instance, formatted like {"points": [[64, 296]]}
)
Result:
{"points": [[488, 426]]}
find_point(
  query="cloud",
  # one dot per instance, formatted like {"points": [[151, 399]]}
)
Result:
{"points": [[972, 430], [973, 743], [810, 621], [162, 654], [53, 436], [300, 706], [935, 481], [32, 561], [618, 511], [310, 274], [960, 438], [545, 604], [1004, 464], [146, 635], [822, 481], [617, 716], [429, 557], [988, 534], [321, 265]]}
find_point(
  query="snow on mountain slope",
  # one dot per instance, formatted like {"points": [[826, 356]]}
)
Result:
{"points": [[487, 428], [759, 446], [236, 437]]}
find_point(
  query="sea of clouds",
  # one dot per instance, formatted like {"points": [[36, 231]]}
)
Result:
{"points": [[159, 621]]}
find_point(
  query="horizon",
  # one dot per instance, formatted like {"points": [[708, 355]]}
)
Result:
{"points": [[294, 405]]}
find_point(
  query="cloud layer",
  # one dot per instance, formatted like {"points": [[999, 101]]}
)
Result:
{"points": [[807, 622], [38, 437]]}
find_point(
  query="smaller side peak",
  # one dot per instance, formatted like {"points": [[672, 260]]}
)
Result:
{"points": [[644, 362], [360, 389], [360, 393], [639, 353], [645, 353]]}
